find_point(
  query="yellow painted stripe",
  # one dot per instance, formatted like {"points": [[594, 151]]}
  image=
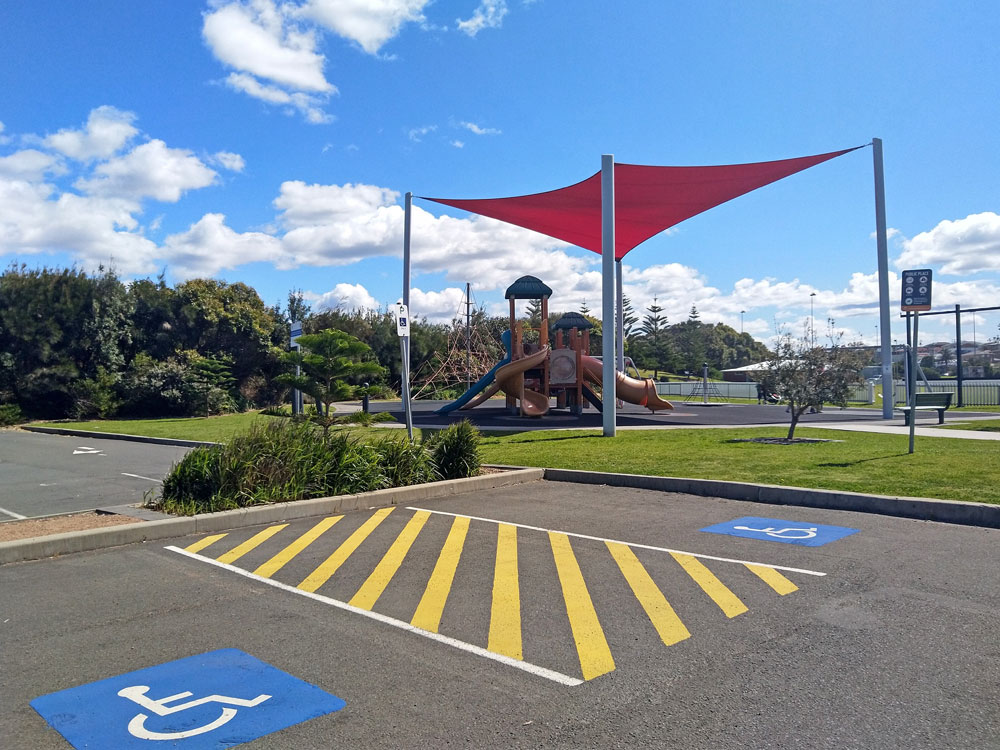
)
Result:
{"points": [[279, 561], [505, 618], [591, 645], [372, 588], [728, 601], [773, 578], [252, 543], [431, 607], [329, 566], [202, 543], [660, 613]]}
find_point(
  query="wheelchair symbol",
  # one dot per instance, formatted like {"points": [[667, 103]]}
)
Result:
{"points": [[782, 533], [137, 694]]}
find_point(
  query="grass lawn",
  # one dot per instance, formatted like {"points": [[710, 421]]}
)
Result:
{"points": [[862, 462], [986, 425], [212, 429]]}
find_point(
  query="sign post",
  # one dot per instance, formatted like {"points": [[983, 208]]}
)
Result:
{"points": [[296, 394], [915, 298], [403, 331]]}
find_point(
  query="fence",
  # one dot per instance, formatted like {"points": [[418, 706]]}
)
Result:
{"points": [[974, 392]]}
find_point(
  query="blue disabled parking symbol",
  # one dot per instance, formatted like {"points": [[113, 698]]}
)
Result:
{"points": [[777, 530], [213, 700]]}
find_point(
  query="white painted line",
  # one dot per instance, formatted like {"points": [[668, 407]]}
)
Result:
{"points": [[628, 544], [12, 514], [140, 476], [534, 669]]}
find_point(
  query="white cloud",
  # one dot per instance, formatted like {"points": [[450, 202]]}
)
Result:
{"points": [[437, 307], [107, 131], [963, 246], [478, 130], [489, 15], [307, 104], [208, 246], [150, 170], [370, 23], [4, 139], [256, 38], [228, 160], [30, 165], [458, 144], [416, 134], [345, 297]]}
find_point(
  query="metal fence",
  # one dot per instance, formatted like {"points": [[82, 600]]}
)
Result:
{"points": [[974, 392]]}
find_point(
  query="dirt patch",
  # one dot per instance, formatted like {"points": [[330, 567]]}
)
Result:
{"points": [[32, 527]]}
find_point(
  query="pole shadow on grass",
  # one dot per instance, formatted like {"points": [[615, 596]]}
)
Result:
{"points": [[842, 464]]}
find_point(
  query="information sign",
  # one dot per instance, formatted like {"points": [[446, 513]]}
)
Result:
{"points": [[916, 292]]}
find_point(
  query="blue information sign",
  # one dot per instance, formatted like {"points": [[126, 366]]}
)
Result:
{"points": [[777, 530], [214, 700]]}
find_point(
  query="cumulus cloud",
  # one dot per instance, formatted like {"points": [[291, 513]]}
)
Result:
{"points": [[963, 246], [150, 170], [208, 246], [30, 165], [106, 132], [346, 297], [417, 134], [4, 139], [458, 144], [228, 160], [489, 15], [370, 24]]}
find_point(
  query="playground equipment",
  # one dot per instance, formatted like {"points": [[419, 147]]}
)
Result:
{"points": [[532, 372]]}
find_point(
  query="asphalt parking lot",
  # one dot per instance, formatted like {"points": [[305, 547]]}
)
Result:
{"points": [[43, 475], [670, 636]]}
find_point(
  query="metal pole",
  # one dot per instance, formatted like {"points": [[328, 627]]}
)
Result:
{"points": [[620, 319], [909, 348], [608, 293], [913, 380], [959, 373], [468, 337], [404, 341], [882, 243], [704, 383]]}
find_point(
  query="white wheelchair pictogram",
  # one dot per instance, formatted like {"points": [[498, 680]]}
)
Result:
{"points": [[137, 728], [791, 533]]}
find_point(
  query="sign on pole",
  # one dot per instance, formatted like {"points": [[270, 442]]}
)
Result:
{"points": [[403, 330], [916, 292], [296, 394], [402, 320]]}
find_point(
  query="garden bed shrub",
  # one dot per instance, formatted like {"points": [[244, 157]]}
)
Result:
{"points": [[455, 450], [10, 414]]}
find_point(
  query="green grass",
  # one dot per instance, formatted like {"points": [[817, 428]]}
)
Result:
{"points": [[863, 462], [211, 429], [986, 425]]}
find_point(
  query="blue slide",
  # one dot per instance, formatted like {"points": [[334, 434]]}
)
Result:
{"points": [[482, 384]]}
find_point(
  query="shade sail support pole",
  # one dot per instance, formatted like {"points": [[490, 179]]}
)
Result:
{"points": [[882, 242], [619, 317], [404, 341], [608, 293]]}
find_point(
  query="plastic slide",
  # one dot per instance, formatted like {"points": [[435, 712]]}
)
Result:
{"points": [[510, 378], [481, 386], [633, 390]]}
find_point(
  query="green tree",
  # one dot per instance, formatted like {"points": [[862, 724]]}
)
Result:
{"points": [[329, 361], [654, 351]]}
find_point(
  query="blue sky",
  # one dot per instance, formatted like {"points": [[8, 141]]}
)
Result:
{"points": [[271, 143]]}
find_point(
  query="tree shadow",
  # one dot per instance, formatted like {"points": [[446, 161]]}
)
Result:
{"points": [[843, 464]]}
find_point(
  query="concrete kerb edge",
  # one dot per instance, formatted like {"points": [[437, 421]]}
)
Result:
{"points": [[116, 436], [21, 550], [925, 509]]}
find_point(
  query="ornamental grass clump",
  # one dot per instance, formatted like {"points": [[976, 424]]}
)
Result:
{"points": [[405, 462], [455, 451]]}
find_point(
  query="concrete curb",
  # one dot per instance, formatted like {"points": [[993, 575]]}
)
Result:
{"points": [[91, 539], [926, 509], [116, 436]]}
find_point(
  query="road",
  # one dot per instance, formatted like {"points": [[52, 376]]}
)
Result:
{"points": [[574, 616], [43, 475]]}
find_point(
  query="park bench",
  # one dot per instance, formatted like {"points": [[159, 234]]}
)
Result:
{"points": [[929, 402]]}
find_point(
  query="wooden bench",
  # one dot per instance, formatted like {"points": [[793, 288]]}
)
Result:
{"points": [[929, 402]]}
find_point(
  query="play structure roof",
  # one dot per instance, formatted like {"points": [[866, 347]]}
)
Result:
{"points": [[573, 320], [648, 199], [528, 287]]}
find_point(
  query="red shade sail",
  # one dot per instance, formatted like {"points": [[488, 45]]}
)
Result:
{"points": [[647, 200]]}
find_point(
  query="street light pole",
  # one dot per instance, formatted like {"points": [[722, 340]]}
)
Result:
{"points": [[812, 322]]}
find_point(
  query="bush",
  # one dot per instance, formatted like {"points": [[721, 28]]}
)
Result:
{"points": [[196, 478], [455, 451], [405, 462], [10, 414]]}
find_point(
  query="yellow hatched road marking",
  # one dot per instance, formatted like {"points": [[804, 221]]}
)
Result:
{"points": [[329, 566], [774, 579], [505, 618], [253, 542], [728, 601], [591, 645], [431, 607], [202, 543], [279, 561], [372, 588], [660, 613]]}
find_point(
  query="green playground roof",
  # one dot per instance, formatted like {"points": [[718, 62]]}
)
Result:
{"points": [[527, 287]]}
